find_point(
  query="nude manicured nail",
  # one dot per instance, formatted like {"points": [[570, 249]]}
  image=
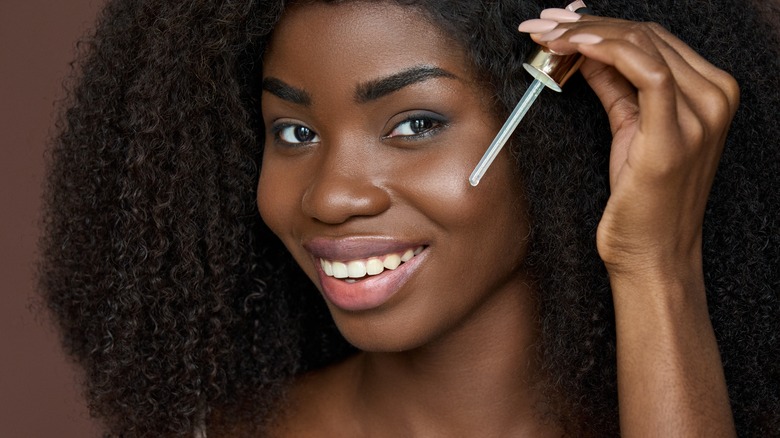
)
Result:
{"points": [[560, 15], [585, 38], [537, 25], [579, 4], [552, 35]]}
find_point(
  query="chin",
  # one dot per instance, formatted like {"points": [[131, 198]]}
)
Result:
{"points": [[374, 334]]}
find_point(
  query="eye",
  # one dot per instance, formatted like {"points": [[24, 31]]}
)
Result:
{"points": [[416, 126], [294, 134]]}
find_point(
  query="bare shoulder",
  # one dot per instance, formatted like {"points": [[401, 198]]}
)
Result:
{"points": [[321, 404]]}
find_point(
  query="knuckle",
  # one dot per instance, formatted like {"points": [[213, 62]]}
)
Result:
{"points": [[637, 34], [695, 133], [659, 75], [716, 105], [731, 88], [654, 27], [727, 87]]}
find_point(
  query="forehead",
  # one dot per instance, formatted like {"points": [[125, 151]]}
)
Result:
{"points": [[357, 41]]}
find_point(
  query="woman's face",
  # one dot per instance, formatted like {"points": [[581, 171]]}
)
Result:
{"points": [[374, 121]]}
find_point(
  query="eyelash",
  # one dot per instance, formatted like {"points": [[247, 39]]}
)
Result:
{"points": [[438, 123]]}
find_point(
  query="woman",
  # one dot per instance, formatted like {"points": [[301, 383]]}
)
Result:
{"points": [[584, 274]]}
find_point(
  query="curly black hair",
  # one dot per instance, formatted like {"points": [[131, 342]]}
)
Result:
{"points": [[184, 310]]}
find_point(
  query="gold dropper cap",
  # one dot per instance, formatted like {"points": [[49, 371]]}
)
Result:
{"points": [[553, 69]]}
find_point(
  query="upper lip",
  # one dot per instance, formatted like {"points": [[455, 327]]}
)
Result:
{"points": [[356, 247]]}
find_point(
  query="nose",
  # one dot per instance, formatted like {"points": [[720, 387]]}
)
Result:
{"points": [[345, 186]]}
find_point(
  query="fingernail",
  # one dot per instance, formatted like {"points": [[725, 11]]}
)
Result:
{"points": [[552, 35], [560, 15], [579, 4], [585, 38], [537, 25]]}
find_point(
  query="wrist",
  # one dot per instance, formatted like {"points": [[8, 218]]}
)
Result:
{"points": [[678, 284]]}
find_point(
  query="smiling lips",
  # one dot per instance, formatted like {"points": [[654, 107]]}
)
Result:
{"points": [[355, 269], [362, 273]]}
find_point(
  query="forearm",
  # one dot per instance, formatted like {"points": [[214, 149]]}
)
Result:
{"points": [[670, 377]]}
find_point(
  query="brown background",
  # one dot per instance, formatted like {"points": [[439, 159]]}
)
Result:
{"points": [[39, 394]]}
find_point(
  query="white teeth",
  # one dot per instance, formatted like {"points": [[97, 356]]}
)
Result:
{"points": [[340, 270], [356, 269], [327, 267], [374, 266], [351, 270], [392, 261]]}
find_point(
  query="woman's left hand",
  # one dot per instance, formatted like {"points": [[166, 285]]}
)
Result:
{"points": [[669, 112]]}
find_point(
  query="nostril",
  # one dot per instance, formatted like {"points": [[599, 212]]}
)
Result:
{"points": [[336, 199]]}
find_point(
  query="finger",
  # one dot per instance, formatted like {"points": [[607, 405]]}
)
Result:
{"points": [[617, 95], [698, 78], [705, 97], [652, 77], [619, 77], [553, 26], [709, 105], [724, 81], [665, 124], [619, 98], [671, 136], [701, 94]]}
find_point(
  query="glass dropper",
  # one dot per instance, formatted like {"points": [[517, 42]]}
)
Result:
{"points": [[549, 70], [506, 131]]}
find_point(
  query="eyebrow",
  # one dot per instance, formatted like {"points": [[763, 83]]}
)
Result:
{"points": [[286, 92], [378, 88], [364, 92]]}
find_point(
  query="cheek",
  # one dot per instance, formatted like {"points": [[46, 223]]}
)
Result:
{"points": [[439, 184], [483, 223]]}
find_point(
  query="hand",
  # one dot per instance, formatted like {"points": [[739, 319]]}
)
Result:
{"points": [[669, 112]]}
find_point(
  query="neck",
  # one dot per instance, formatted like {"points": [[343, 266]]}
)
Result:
{"points": [[477, 381]]}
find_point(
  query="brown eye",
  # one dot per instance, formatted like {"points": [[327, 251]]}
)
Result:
{"points": [[295, 134], [420, 125], [303, 134], [416, 126]]}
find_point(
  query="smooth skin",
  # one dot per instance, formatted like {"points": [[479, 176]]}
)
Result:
{"points": [[462, 366]]}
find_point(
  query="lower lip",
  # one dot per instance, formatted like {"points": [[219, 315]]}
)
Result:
{"points": [[370, 292]]}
